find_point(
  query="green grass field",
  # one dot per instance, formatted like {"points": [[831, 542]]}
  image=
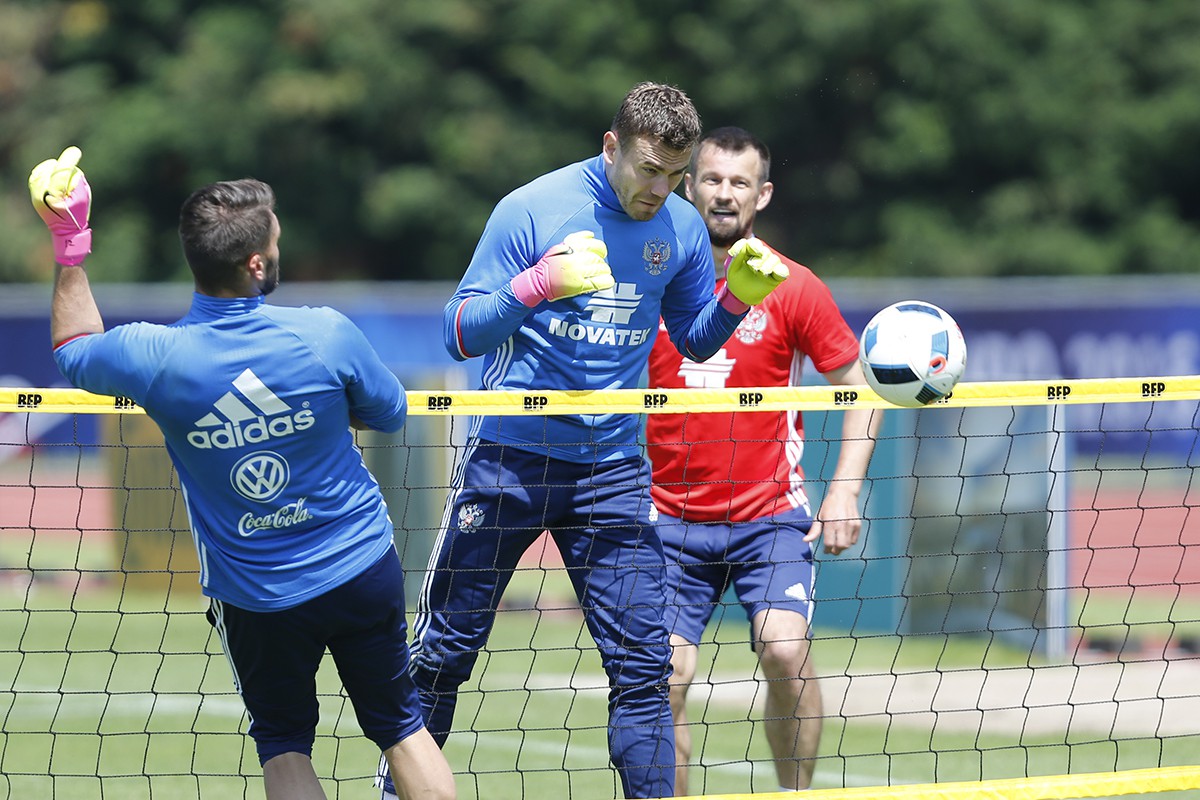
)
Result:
{"points": [[127, 695]]}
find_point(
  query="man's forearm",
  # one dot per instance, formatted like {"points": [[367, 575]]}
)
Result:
{"points": [[711, 328], [479, 324], [73, 310], [860, 429]]}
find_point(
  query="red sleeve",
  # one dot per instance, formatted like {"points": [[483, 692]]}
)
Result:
{"points": [[819, 329]]}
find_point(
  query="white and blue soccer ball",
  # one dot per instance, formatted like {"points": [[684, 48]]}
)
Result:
{"points": [[912, 353]]}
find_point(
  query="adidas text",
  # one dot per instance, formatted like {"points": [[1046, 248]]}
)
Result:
{"points": [[260, 429]]}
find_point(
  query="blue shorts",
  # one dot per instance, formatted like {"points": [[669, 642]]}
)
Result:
{"points": [[275, 656], [766, 561]]}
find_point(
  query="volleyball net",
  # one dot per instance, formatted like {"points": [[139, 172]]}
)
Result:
{"points": [[1021, 616]]}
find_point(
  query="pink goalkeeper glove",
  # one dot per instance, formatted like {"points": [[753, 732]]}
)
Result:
{"points": [[574, 266], [62, 198]]}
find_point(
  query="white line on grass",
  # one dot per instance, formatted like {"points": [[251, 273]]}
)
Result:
{"points": [[30, 703], [41, 702]]}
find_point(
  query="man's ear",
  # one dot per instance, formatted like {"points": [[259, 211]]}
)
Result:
{"points": [[609, 146], [688, 181], [256, 267], [765, 192]]}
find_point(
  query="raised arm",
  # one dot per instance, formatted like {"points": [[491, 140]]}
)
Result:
{"points": [[61, 196], [73, 310]]}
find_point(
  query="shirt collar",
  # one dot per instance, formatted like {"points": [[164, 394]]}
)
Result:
{"points": [[207, 307], [596, 180]]}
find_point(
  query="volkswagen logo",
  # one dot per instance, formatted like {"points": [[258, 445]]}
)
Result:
{"points": [[260, 476]]}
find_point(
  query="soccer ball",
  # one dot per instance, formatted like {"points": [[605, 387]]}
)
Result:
{"points": [[912, 353]]}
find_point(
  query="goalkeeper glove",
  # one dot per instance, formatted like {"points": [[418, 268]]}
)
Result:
{"points": [[753, 271], [62, 198], [574, 266]]}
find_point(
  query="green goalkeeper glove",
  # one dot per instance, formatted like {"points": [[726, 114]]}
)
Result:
{"points": [[753, 271], [61, 196], [574, 266]]}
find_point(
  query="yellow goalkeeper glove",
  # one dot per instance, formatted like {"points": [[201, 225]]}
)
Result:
{"points": [[753, 271], [574, 266]]}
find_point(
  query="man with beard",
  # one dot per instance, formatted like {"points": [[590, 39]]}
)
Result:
{"points": [[729, 488], [255, 403]]}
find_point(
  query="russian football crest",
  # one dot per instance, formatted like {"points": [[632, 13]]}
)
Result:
{"points": [[656, 253], [469, 517], [750, 330]]}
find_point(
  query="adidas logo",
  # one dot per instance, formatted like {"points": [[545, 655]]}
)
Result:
{"points": [[234, 424], [797, 591]]}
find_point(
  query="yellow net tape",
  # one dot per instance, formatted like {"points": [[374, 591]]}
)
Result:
{"points": [[679, 401], [1053, 787]]}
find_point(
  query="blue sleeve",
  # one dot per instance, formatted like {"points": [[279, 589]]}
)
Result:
{"points": [[376, 396], [484, 312], [696, 322], [710, 329], [100, 363], [475, 324]]}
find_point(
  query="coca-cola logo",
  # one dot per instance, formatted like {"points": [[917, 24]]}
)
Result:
{"points": [[283, 517]]}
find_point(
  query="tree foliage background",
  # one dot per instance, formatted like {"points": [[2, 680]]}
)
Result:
{"points": [[910, 138]]}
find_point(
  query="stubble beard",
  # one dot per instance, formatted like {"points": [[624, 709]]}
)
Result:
{"points": [[724, 235], [271, 281]]}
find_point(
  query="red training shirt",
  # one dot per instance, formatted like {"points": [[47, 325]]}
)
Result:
{"points": [[741, 466]]}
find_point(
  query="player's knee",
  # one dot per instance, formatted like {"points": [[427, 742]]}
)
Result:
{"points": [[642, 666], [679, 685], [396, 740], [440, 670], [389, 736], [636, 694], [784, 658], [682, 676]]}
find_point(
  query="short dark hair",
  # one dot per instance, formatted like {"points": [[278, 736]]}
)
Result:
{"points": [[733, 139], [658, 110], [221, 225]]}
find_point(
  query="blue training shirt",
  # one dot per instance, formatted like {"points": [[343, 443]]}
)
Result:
{"points": [[662, 267], [254, 402]]}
